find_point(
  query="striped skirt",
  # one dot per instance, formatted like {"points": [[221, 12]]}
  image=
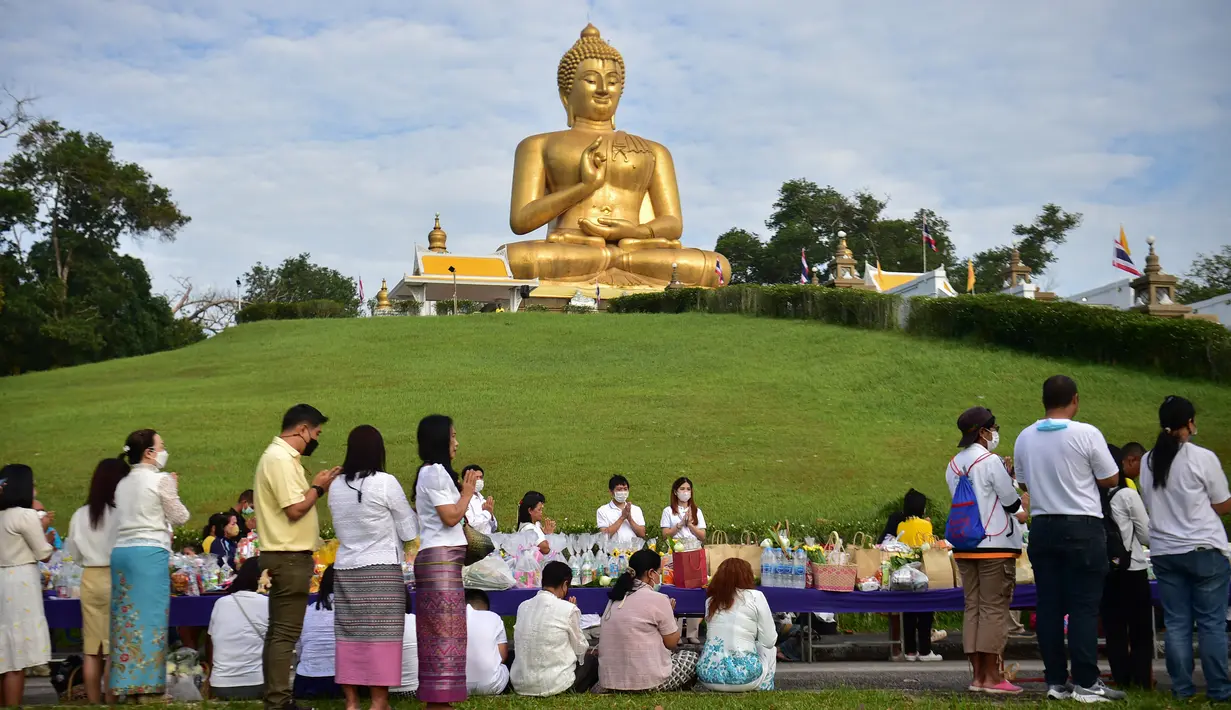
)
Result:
{"points": [[440, 623], [140, 605], [369, 612]]}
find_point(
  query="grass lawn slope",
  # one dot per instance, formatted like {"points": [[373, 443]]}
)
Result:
{"points": [[770, 418]]}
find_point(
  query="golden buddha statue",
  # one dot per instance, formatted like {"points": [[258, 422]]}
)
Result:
{"points": [[609, 198]]}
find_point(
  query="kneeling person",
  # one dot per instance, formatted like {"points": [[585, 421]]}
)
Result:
{"points": [[487, 647], [552, 651]]}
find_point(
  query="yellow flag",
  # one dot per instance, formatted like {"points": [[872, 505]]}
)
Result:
{"points": [[970, 276], [1124, 242]]}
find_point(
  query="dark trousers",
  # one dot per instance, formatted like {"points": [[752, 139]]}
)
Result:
{"points": [[917, 632], [290, 577], [1128, 625], [1069, 557]]}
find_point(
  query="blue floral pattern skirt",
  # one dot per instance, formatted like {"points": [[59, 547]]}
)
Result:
{"points": [[140, 605], [749, 671]]}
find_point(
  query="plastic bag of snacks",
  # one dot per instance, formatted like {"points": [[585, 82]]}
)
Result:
{"points": [[909, 579], [247, 548], [527, 574], [185, 675]]}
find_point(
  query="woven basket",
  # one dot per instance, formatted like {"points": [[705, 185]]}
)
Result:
{"points": [[834, 578]]}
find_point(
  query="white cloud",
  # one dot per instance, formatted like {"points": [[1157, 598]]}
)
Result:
{"points": [[339, 128]]}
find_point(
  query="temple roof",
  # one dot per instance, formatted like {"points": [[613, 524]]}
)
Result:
{"points": [[886, 280]]}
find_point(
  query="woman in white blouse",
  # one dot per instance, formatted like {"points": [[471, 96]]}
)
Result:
{"points": [[24, 639], [147, 507], [238, 624], [91, 535], [530, 520], [682, 519], [373, 520], [441, 503], [739, 653]]}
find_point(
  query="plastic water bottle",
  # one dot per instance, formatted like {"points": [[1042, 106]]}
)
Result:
{"points": [[801, 569], [767, 568], [782, 569], [575, 564]]}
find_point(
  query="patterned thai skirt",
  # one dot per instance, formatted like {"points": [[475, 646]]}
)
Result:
{"points": [[369, 612], [440, 624], [140, 607]]}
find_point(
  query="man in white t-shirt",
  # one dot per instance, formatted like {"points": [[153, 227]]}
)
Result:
{"points": [[619, 519], [481, 512], [1062, 463], [487, 647]]}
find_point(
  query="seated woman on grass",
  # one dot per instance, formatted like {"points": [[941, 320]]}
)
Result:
{"points": [[637, 649], [739, 653]]}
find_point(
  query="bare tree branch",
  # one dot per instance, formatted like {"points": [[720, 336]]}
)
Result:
{"points": [[16, 113], [213, 310]]}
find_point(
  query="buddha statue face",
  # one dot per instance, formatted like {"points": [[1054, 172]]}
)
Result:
{"points": [[590, 78], [596, 90]]}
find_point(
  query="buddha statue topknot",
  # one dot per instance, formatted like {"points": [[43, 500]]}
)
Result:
{"points": [[609, 198]]}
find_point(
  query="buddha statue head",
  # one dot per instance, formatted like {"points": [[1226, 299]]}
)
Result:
{"points": [[591, 79]]}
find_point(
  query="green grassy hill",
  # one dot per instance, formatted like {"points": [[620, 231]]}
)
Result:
{"points": [[770, 418]]}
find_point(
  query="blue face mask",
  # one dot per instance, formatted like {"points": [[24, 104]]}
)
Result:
{"points": [[1052, 425]]}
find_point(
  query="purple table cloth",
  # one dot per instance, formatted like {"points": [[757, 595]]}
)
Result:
{"points": [[195, 611]]}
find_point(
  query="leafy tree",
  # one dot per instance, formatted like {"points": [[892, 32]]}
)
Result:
{"points": [[1036, 242], [745, 251], [70, 297], [298, 280], [1209, 276]]}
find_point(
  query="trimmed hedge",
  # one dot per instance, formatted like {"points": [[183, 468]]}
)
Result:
{"points": [[840, 306], [1171, 346], [291, 311], [464, 307]]}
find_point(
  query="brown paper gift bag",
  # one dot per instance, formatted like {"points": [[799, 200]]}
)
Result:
{"points": [[938, 566], [864, 556], [721, 551]]}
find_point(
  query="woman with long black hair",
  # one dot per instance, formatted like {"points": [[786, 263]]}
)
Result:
{"points": [[1185, 491], [373, 520], [638, 646], [440, 599], [91, 535], [24, 639]]}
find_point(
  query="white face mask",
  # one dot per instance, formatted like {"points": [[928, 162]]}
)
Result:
{"points": [[621, 497], [684, 496], [160, 459], [478, 486], [994, 442]]}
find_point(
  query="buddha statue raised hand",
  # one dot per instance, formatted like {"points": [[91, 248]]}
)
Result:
{"points": [[609, 198]]}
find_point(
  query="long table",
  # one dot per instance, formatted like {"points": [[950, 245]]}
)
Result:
{"points": [[195, 611]]}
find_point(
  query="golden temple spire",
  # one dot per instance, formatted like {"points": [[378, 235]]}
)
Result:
{"points": [[590, 31], [437, 237], [382, 296]]}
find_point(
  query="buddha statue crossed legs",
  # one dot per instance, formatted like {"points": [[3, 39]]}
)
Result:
{"points": [[609, 198]]}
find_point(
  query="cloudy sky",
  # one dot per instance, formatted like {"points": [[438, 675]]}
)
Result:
{"points": [[339, 128]]}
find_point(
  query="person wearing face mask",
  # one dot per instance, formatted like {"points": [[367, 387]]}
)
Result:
{"points": [[481, 513], [988, 571], [620, 520], [1185, 490], [638, 650], [530, 518], [147, 507], [224, 545], [245, 507], [285, 504], [682, 519]]}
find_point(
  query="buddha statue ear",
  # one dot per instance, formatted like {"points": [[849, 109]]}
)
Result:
{"points": [[568, 110]]}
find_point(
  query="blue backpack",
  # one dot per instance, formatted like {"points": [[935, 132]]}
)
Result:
{"points": [[965, 529]]}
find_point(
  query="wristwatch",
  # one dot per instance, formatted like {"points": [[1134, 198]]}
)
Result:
{"points": [[320, 492]]}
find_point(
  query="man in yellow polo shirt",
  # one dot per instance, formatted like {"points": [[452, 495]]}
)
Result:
{"points": [[1133, 453], [286, 518]]}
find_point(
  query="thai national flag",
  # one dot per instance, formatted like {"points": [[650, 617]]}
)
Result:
{"points": [[1122, 257], [803, 275], [927, 236], [718, 270]]}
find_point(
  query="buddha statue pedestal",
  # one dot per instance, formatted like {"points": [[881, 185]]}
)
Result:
{"points": [[608, 198]]}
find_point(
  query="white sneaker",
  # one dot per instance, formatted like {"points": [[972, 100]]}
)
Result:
{"points": [[932, 657], [1098, 693], [1059, 692], [911, 657]]}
